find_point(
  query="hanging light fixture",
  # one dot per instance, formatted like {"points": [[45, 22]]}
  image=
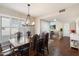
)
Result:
{"points": [[29, 20]]}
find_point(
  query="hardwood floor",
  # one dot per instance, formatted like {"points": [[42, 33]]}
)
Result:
{"points": [[62, 48]]}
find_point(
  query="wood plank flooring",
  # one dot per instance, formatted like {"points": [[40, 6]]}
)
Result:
{"points": [[62, 48]]}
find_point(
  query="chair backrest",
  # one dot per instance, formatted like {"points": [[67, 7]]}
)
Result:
{"points": [[46, 39], [42, 35], [42, 42], [35, 38], [0, 50]]}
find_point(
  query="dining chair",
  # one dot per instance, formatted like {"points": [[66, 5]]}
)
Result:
{"points": [[43, 44], [39, 47], [5, 52], [8, 50], [35, 42], [16, 52], [46, 42], [24, 49]]}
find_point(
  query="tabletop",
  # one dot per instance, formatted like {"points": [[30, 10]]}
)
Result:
{"points": [[17, 43]]}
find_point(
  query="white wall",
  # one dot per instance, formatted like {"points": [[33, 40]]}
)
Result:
{"points": [[77, 25], [44, 26], [73, 25], [69, 26], [66, 30], [59, 25], [37, 26]]}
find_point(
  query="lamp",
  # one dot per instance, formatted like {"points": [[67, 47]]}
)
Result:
{"points": [[29, 20]]}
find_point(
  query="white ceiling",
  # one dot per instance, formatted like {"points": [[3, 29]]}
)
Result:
{"points": [[71, 14], [44, 9], [37, 9]]}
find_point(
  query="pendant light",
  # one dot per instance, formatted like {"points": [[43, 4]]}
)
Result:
{"points": [[29, 20]]}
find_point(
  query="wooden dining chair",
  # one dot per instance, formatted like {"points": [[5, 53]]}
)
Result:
{"points": [[46, 42], [0, 50], [6, 52], [35, 42], [40, 47], [16, 52], [43, 44], [24, 49]]}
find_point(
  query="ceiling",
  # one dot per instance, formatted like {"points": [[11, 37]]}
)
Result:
{"points": [[37, 9], [42, 9]]}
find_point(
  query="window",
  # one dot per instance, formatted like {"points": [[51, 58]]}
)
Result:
{"points": [[5, 29], [10, 26]]}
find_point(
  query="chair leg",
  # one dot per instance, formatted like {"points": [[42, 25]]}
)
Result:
{"points": [[43, 53], [47, 50]]}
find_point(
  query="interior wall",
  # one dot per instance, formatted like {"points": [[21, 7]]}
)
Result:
{"points": [[73, 25], [77, 25], [66, 30], [45, 27], [59, 25], [37, 26]]}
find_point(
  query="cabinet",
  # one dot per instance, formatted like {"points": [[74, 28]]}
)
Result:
{"points": [[74, 40]]}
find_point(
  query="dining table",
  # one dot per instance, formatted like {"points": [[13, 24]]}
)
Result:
{"points": [[23, 40], [16, 44]]}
